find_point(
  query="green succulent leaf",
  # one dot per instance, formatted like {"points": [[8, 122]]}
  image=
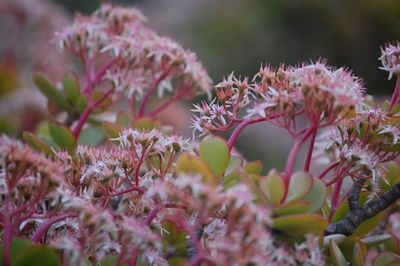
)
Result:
{"points": [[300, 224], [62, 136], [111, 130], [50, 91], [337, 256], [316, 196], [191, 164], [18, 245], [293, 208], [214, 151], [375, 240], [254, 167], [338, 238], [274, 187], [91, 136], [37, 256], [71, 87], [37, 144], [386, 258], [123, 119], [300, 184]]}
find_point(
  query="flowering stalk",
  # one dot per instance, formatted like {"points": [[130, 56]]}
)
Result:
{"points": [[43, 228], [88, 110], [241, 126], [148, 94]]}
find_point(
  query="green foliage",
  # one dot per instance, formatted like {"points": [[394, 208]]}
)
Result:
{"points": [[50, 91], [300, 224], [300, 184], [37, 144], [37, 256], [62, 136], [274, 188], [91, 136], [191, 164], [337, 256], [214, 152]]}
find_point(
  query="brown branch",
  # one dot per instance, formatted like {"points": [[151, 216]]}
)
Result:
{"points": [[358, 214]]}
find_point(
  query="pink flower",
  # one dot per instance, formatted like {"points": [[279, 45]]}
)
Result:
{"points": [[390, 58]]}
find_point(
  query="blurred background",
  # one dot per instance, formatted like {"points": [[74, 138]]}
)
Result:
{"points": [[239, 35]]}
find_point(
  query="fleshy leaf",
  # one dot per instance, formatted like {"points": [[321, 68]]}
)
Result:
{"points": [[191, 164], [337, 256], [71, 87], [17, 246], [62, 136], [91, 136], [254, 167], [293, 208], [51, 92], [37, 144], [300, 184], [300, 224], [316, 196], [371, 241], [273, 187], [123, 119], [386, 258], [111, 130], [37, 256], [338, 238], [214, 151]]}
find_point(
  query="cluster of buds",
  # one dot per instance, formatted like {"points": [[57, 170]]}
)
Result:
{"points": [[324, 94], [140, 61]]}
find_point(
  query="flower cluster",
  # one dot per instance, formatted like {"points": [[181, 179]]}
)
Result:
{"points": [[26, 178], [140, 61], [362, 143], [319, 91], [390, 59]]}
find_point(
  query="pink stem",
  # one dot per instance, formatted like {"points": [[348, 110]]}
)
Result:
{"points": [[88, 110], [396, 95], [310, 150], [7, 240], [146, 97], [335, 197], [241, 126], [327, 170], [42, 230], [138, 189], [292, 158], [157, 209], [167, 103]]}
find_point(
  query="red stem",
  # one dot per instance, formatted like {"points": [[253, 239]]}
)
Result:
{"points": [[328, 169], [396, 95], [88, 110], [146, 97], [168, 103], [310, 150], [292, 158], [335, 197], [138, 189], [157, 209], [42, 230], [7, 240], [241, 126]]}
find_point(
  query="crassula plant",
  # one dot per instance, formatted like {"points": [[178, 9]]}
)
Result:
{"points": [[105, 182]]}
